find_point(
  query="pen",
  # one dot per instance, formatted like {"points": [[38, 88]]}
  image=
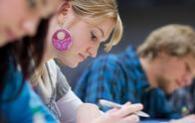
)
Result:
{"points": [[116, 105]]}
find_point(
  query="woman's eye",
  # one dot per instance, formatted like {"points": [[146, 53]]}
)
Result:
{"points": [[93, 37]]}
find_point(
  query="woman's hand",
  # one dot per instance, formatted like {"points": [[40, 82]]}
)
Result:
{"points": [[87, 112], [122, 115]]}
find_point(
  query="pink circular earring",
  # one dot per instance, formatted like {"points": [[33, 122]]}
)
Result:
{"points": [[62, 40]]}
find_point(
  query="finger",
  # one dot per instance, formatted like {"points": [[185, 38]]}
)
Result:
{"points": [[131, 119], [112, 111], [116, 109], [129, 109]]}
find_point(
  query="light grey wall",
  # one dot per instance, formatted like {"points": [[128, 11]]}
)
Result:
{"points": [[138, 23]]}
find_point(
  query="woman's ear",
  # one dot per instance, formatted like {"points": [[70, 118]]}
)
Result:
{"points": [[64, 8], [62, 12]]}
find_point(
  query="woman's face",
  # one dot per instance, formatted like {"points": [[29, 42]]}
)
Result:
{"points": [[21, 17], [86, 37]]}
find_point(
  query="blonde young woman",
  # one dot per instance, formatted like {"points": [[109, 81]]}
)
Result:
{"points": [[76, 33]]}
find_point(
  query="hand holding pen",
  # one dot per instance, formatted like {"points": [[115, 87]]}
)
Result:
{"points": [[116, 105], [125, 114]]}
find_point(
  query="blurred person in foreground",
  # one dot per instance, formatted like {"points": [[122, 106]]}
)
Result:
{"points": [[21, 50]]}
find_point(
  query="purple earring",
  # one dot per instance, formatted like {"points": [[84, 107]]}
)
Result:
{"points": [[62, 40]]}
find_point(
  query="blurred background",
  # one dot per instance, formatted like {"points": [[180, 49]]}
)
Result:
{"points": [[139, 18]]}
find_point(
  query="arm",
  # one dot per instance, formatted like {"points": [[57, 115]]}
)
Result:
{"points": [[67, 101], [159, 99], [68, 106], [123, 115]]}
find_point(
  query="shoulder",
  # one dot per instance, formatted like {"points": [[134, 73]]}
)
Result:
{"points": [[106, 60], [52, 68], [52, 64]]}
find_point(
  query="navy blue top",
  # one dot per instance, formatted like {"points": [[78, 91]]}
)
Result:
{"points": [[25, 107]]}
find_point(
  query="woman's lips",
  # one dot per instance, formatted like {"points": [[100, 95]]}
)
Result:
{"points": [[82, 57]]}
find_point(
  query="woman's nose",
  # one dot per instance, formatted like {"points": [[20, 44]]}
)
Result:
{"points": [[92, 51]]}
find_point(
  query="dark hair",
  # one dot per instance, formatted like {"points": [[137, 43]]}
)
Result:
{"points": [[25, 55]]}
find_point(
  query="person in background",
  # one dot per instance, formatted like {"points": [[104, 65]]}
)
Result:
{"points": [[163, 63], [19, 22], [75, 33]]}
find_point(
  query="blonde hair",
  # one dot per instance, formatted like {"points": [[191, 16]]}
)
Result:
{"points": [[174, 40], [100, 10]]}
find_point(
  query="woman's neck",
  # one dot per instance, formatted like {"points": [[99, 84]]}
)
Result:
{"points": [[49, 53]]}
